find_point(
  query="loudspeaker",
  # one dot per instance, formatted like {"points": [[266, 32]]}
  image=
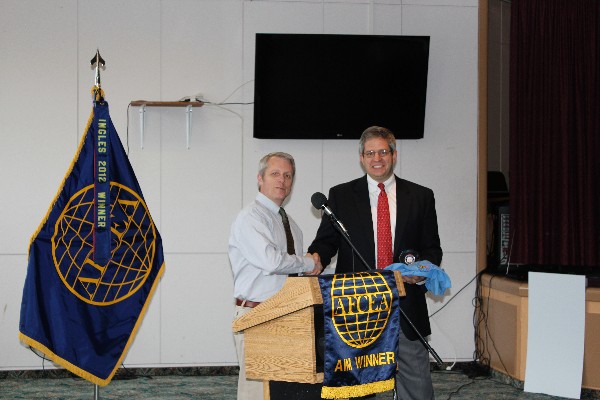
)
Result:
{"points": [[496, 185]]}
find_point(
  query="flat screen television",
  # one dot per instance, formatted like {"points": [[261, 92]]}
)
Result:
{"points": [[326, 86]]}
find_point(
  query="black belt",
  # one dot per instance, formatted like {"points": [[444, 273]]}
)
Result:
{"points": [[246, 303]]}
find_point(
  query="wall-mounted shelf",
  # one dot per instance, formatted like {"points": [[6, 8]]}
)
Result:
{"points": [[148, 103], [142, 104]]}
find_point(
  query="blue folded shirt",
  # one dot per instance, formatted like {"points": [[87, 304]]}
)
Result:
{"points": [[437, 280]]}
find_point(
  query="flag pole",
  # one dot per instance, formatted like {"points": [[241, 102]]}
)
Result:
{"points": [[97, 62]]}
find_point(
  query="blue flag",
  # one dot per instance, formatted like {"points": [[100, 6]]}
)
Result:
{"points": [[362, 324], [94, 261]]}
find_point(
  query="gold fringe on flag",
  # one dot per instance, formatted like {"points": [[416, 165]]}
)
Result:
{"points": [[344, 392]]}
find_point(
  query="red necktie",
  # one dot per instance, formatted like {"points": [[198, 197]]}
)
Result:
{"points": [[385, 256]]}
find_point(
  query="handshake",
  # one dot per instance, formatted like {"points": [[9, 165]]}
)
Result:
{"points": [[318, 266]]}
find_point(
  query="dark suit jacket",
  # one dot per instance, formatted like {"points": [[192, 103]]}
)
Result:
{"points": [[416, 229]]}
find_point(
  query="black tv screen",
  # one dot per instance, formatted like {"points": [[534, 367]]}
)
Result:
{"points": [[322, 86]]}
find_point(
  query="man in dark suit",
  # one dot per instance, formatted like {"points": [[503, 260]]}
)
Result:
{"points": [[412, 224]]}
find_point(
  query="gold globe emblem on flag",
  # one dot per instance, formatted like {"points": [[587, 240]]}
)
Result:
{"points": [[361, 306], [132, 246]]}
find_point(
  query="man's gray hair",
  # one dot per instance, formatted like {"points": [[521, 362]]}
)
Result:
{"points": [[262, 164], [377, 132]]}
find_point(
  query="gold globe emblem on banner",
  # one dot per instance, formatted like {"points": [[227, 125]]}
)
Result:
{"points": [[361, 304], [132, 246]]}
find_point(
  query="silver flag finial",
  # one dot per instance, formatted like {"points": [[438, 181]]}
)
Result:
{"points": [[97, 62]]}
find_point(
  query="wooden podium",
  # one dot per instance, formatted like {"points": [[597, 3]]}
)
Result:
{"points": [[280, 334], [284, 335]]}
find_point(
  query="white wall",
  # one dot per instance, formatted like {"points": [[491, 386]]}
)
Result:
{"points": [[164, 50]]}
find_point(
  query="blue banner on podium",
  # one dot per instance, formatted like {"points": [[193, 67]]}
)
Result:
{"points": [[362, 322]]}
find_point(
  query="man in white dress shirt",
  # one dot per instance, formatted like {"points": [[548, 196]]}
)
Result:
{"points": [[259, 252]]}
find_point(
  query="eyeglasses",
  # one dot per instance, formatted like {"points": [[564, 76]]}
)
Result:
{"points": [[382, 153]]}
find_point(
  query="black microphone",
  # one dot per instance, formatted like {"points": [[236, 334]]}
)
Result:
{"points": [[319, 201]]}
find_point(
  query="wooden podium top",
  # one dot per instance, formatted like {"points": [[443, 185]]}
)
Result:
{"points": [[297, 293]]}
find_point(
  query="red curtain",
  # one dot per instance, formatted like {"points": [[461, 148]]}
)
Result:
{"points": [[555, 132]]}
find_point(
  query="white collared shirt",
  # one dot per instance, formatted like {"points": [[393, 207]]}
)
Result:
{"points": [[258, 251]]}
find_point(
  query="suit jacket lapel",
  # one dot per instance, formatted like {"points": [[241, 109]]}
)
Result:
{"points": [[402, 207], [363, 202]]}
